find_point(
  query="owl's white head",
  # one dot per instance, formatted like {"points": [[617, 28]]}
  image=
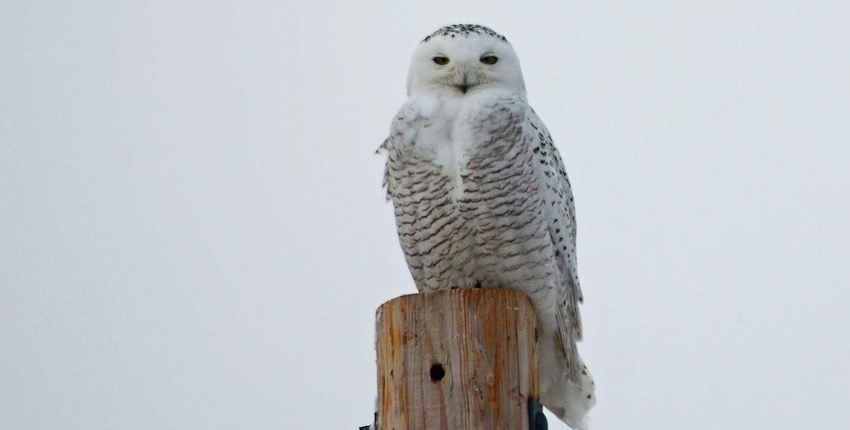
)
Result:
{"points": [[463, 58]]}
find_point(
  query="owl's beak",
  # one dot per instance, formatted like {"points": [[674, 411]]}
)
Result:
{"points": [[463, 86]]}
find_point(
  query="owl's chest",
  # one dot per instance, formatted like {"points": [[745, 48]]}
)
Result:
{"points": [[448, 138], [443, 140], [467, 185], [476, 221], [477, 226], [465, 158]]}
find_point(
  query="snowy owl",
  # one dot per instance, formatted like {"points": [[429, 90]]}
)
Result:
{"points": [[482, 199]]}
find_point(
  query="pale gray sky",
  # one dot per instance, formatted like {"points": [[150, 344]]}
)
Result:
{"points": [[193, 235]]}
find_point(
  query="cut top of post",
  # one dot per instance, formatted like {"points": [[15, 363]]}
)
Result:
{"points": [[461, 359]]}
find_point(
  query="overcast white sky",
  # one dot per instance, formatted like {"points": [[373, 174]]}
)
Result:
{"points": [[193, 235]]}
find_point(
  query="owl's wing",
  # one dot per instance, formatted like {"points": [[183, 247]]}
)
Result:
{"points": [[403, 130], [560, 215], [400, 179]]}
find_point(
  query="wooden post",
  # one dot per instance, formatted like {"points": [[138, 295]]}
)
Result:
{"points": [[462, 359]]}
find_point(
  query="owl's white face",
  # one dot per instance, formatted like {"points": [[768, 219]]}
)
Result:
{"points": [[461, 63]]}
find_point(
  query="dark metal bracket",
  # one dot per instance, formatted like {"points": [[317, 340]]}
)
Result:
{"points": [[536, 418], [374, 425]]}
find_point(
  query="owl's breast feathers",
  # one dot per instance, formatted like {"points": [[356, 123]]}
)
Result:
{"points": [[477, 214], [481, 197]]}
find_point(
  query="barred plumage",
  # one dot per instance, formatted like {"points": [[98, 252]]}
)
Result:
{"points": [[482, 199]]}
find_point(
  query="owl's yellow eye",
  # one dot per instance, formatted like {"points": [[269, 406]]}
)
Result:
{"points": [[489, 59], [441, 60]]}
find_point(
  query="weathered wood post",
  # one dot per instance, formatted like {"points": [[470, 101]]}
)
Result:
{"points": [[461, 359]]}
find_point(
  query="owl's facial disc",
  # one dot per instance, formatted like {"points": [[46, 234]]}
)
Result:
{"points": [[471, 74], [457, 64]]}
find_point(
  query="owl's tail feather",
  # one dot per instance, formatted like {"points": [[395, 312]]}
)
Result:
{"points": [[570, 400]]}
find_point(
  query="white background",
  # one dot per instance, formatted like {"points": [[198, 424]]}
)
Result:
{"points": [[193, 234]]}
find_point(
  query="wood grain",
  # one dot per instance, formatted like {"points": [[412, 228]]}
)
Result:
{"points": [[461, 359]]}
